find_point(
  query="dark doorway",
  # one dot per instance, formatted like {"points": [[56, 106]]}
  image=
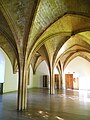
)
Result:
{"points": [[45, 79]]}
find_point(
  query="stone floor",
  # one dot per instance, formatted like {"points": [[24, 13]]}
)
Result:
{"points": [[64, 105]]}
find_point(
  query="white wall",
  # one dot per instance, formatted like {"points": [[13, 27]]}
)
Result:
{"points": [[81, 67], [10, 79], [2, 67], [37, 79]]}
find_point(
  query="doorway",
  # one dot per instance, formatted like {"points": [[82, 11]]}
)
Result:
{"points": [[45, 79]]}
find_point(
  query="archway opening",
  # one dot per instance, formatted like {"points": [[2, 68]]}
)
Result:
{"points": [[2, 67], [2, 71], [7, 77], [41, 77], [77, 74]]}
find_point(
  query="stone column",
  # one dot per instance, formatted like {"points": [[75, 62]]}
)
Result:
{"points": [[22, 88], [62, 76], [52, 87]]}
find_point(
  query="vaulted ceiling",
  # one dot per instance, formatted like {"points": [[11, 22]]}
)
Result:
{"points": [[56, 31]]}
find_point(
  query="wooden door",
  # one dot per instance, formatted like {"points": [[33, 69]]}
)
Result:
{"points": [[56, 77], [69, 81]]}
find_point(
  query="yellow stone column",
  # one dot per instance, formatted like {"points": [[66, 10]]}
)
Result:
{"points": [[22, 88], [52, 87]]}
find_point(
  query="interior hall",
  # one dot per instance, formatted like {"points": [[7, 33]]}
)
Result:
{"points": [[44, 60]]}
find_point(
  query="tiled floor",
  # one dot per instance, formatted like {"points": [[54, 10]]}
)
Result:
{"points": [[64, 105]]}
